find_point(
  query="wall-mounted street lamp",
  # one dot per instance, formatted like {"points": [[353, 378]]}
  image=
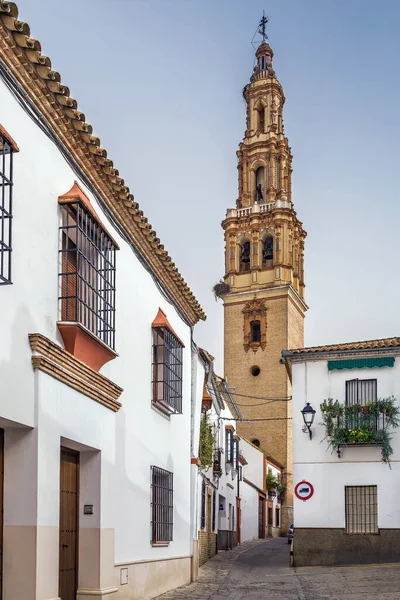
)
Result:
{"points": [[308, 416]]}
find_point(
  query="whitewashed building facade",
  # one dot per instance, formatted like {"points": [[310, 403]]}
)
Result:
{"points": [[218, 486], [260, 500], [96, 360], [347, 462]]}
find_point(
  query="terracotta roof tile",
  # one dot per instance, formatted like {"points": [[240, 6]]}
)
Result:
{"points": [[393, 342], [32, 70]]}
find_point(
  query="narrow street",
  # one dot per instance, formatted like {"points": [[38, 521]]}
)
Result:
{"points": [[260, 570]]}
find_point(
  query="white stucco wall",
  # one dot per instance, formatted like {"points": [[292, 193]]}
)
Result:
{"points": [[143, 437], [249, 512], [254, 473], [315, 462], [254, 470]]}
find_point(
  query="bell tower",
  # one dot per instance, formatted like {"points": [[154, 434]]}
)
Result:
{"points": [[263, 294]]}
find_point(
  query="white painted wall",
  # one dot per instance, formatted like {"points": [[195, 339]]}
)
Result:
{"points": [[249, 510], [254, 473], [315, 462], [136, 437], [254, 470]]}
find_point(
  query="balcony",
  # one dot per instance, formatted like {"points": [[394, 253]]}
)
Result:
{"points": [[367, 424], [248, 211]]}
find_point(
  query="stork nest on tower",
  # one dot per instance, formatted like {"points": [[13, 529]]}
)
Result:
{"points": [[220, 289]]}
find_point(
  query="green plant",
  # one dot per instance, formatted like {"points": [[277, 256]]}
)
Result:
{"points": [[361, 424], [272, 482], [280, 488], [206, 444]]}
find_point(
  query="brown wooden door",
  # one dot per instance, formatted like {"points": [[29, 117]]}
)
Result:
{"points": [[1, 508], [238, 521], [261, 518], [69, 488]]}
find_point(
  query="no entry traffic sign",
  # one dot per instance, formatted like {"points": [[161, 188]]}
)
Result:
{"points": [[304, 490]]}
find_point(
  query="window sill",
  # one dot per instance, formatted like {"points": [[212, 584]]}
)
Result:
{"points": [[160, 544], [164, 408], [84, 345]]}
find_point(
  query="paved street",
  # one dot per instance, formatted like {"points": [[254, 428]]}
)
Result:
{"points": [[260, 571]]}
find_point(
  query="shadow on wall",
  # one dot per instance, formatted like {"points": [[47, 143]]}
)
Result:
{"points": [[16, 372]]}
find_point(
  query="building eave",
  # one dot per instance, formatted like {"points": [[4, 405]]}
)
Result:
{"points": [[31, 71]]}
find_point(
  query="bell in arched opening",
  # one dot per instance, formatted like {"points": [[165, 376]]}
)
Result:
{"points": [[245, 257], [268, 250]]}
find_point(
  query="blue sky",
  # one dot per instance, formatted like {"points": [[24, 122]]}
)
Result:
{"points": [[161, 81]]}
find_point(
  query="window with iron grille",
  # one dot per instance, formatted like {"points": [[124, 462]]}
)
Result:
{"points": [[162, 496], [87, 272], [361, 509], [236, 454], [167, 370], [203, 505], [6, 188], [229, 445], [361, 391]]}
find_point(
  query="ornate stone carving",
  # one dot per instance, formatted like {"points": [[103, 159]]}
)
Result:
{"points": [[255, 310]]}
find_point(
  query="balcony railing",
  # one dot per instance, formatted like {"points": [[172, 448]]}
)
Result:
{"points": [[360, 424], [247, 211]]}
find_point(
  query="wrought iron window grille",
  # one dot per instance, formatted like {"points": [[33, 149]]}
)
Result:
{"points": [[167, 371], [229, 446], [162, 505], [6, 198], [361, 504], [87, 273]]}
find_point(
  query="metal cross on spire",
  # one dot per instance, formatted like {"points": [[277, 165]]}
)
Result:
{"points": [[261, 30], [262, 26]]}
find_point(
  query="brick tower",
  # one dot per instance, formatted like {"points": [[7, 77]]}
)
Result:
{"points": [[263, 295]]}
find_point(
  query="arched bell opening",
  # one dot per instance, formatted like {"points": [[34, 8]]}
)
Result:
{"points": [[244, 257], [260, 185], [268, 251]]}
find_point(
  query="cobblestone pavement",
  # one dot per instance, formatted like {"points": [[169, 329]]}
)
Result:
{"points": [[260, 570]]}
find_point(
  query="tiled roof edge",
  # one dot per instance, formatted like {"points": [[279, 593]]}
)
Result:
{"points": [[378, 344], [32, 70]]}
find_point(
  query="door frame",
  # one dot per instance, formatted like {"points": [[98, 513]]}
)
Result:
{"points": [[77, 454]]}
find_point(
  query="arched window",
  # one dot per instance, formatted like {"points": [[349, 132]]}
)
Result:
{"points": [[245, 257], [261, 119], [260, 182], [255, 331], [268, 250]]}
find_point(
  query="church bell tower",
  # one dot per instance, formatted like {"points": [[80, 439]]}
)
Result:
{"points": [[263, 295]]}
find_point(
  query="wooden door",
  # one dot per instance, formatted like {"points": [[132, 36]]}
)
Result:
{"points": [[238, 521], [1, 508], [261, 518], [69, 497]]}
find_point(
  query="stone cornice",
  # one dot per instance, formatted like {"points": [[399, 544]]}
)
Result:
{"points": [[49, 357]]}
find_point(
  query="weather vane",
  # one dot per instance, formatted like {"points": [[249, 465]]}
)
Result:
{"points": [[263, 26], [261, 30]]}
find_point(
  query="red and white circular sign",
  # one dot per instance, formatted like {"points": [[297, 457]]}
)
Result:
{"points": [[304, 490]]}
